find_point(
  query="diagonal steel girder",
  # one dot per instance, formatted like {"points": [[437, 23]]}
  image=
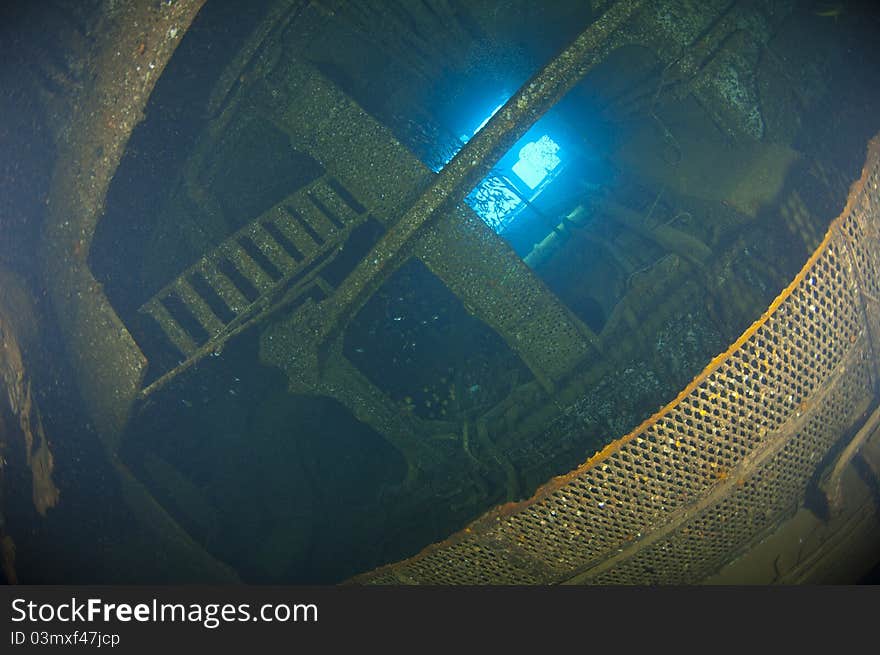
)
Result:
{"points": [[474, 161], [322, 129]]}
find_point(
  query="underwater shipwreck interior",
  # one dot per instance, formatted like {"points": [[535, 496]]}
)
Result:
{"points": [[440, 292]]}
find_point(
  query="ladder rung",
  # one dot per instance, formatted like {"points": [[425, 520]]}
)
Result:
{"points": [[290, 228], [228, 292], [197, 306], [273, 250], [249, 269], [172, 329], [334, 203], [315, 218]]}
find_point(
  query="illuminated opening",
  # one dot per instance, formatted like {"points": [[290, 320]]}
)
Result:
{"points": [[518, 178], [523, 173], [536, 160], [495, 200]]}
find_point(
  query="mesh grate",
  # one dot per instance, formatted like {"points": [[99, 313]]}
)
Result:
{"points": [[701, 546], [696, 483], [467, 562]]}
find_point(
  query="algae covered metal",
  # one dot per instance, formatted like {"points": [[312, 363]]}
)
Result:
{"points": [[333, 256]]}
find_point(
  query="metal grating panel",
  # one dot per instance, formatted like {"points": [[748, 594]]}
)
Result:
{"points": [[483, 566], [701, 546]]}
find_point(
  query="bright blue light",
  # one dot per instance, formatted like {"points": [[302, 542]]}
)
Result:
{"points": [[536, 160], [520, 175], [494, 201]]}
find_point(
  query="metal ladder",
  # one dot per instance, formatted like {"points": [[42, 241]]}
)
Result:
{"points": [[222, 290]]}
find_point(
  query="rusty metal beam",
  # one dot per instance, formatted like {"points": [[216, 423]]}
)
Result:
{"points": [[129, 58], [475, 159], [134, 45]]}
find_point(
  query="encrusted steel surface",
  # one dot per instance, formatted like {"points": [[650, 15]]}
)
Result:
{"points": [[669, 502], [716, 468], [475, 263], [331, 127], [129, 56], [130, 52], [474, 160]]}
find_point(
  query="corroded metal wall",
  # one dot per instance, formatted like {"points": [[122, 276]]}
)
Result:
{"points": [[132, 45], [719, 466], [669, 502], [131, 51]]}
